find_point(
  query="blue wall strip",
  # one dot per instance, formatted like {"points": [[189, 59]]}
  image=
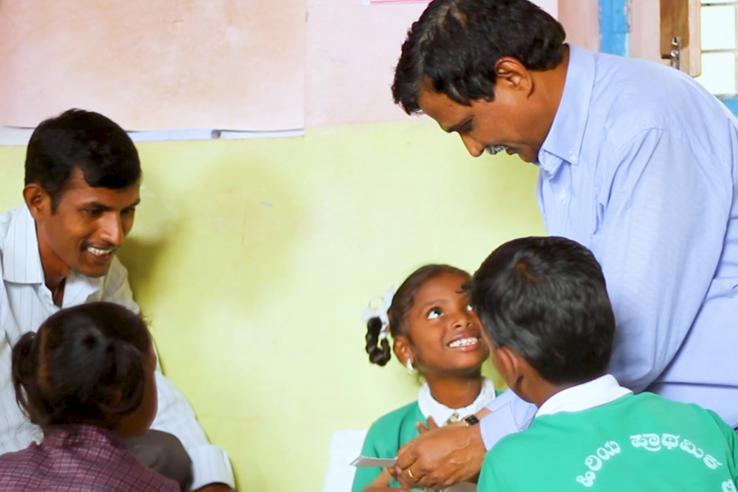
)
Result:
{"points": [[614, 29], [732, 104]]}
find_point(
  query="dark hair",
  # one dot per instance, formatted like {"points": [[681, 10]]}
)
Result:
{"points": [[546, 298], [402, 301], [80, 139], [86, 365], [456, 44]]}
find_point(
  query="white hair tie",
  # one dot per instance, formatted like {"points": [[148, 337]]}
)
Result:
{"points": [[378, 307]]}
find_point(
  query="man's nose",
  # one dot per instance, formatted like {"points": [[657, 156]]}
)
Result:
{"points": [[474, 147], [111, 229]]}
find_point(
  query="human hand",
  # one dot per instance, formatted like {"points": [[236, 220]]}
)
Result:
{"points": [[381, 484], [215, 487], [441, 457], [425, 427]]}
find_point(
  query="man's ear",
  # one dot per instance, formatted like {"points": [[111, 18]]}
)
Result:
{"points": [[512, 74], [37, 199], [403, 349], [508, 364]]}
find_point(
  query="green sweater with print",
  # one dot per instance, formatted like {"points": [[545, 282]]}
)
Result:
{"points": [[637, 443]]}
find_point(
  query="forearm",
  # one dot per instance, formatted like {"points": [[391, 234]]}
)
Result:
{"points": [[210, 464], [508, 413]]}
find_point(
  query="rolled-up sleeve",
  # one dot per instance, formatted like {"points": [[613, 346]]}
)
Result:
{"points": [[509, 414], [210, 464]]}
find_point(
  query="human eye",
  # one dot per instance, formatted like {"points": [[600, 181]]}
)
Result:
{"points": [[470, 308], [92, 211], [467, 127], [129, 211], [434, 313]]}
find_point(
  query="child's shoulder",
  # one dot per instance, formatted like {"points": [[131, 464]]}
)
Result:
{"points": [[391, 431], [684, 414], [657, 405], [625, 415]]}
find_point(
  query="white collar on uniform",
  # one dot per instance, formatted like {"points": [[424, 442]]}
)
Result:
{"points": [[591, 394], [429, 407]]}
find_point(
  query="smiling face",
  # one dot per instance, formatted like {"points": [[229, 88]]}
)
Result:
{"points": [[85, 229], [443, 334], [515, 119]]}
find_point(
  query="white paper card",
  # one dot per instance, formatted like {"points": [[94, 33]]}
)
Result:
{"points": [[365, 461]]}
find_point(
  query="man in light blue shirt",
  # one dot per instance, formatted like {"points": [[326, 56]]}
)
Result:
{"points": [[637, 162]]}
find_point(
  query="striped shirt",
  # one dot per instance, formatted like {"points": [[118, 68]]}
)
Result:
{"points": [[25, 302]]}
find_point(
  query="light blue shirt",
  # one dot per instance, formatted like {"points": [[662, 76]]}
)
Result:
{"points": [[641, 166]]}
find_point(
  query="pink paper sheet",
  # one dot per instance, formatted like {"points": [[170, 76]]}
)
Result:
{"points": [[150, 65]]}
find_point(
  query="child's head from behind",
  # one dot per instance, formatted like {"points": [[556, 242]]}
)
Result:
{"points": [[544, 300], [432, 325], [89, 364]]}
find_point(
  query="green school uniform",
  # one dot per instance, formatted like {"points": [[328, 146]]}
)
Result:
{"points": [[636, 443], [385, 438], [388, 434]]}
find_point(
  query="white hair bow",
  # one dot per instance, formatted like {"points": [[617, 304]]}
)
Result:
{"points": [[378, 308]]}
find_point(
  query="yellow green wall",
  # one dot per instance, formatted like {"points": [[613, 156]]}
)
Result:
{"points": [[254, 259]]}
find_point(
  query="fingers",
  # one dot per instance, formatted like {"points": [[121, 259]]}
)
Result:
{"points": [[373, 488], [382, 480], [406, 456], [409, 478], [441, 457], [429, 425], [382, 484]]}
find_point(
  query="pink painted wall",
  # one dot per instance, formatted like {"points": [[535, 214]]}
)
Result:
{"points": [[581, 20], [227, 64], [352, 50]]}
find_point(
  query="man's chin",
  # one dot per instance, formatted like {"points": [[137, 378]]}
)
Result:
{"points": [[94, 271], [525, 157], [529, 159]]}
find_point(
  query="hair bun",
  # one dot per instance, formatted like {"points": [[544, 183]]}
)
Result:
{"points": [[378, 350]]}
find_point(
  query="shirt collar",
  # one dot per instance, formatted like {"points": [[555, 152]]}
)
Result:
{"points": [[79, 288], [564, 139], [584, 396], [79, 435], [429, 407], [21, 258]]}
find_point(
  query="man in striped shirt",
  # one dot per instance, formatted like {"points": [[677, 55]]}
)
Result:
{"points": [[81, 192]]}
